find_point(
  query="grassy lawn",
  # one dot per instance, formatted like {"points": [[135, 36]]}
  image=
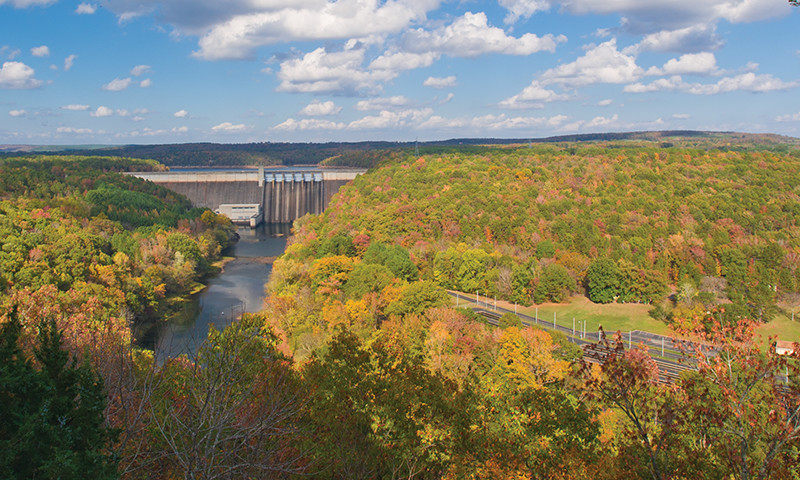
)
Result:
{"points": [[782, 327], [613, 317], [625, 317]]}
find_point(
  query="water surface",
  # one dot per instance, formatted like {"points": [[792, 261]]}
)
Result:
{"points": [[238, 288]]}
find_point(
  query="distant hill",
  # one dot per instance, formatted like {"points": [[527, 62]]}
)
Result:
{"points": [[362, 154]]}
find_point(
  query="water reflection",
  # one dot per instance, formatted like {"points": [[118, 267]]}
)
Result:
{"points": [[239, 288]]}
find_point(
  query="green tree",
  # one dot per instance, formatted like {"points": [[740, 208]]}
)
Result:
{"points": [[602, 280], [554, 285], [53, 424]]}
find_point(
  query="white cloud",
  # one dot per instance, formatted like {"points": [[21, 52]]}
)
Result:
{"points": [[533, 96], [180, 114], [8, 52], [43, 51], [69, 61], [28, 3], [605, 103], [692, 39], [75, 107], [146, 83], [794, 117], [86, 9], [386, 103], [692, 63], [338, 72], [523, 8], [317, 108], [182, 129], [139, 70], [102, 111], [398, 61], [673, 14], [391, 119], [492, 123], [601, 64], [79, 131], [748, 82], [228, 127], [123, 113], [471, 36], [17, 75], [17, 113], [601, 121], [117, 85], [440, 82], [266, 23], [309, 124], [681, 116]]}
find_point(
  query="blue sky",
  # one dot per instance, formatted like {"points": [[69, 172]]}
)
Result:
{"points": [[175, 71]]}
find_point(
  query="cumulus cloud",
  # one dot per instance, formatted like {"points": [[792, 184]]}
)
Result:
{"points": [[523, 8], [470, 36], [69, 61], [317, 108], [604, 103], [284, 21], [17, 113], [117, 85], [80, 131], [102, 111], [600, 64], [75, 107], [534, 95], [146, 83], [228, 127], [681, 116], [693, 39], [139, 70], [440, 82], [385, 103], [180, 114], [86, 9], [748, 82], [492, 123], [692, 63], [308, 124], [341, 72], [398, 61], [651, 17], [43, 51], [17, 75], [391, 119], [181, 129]]}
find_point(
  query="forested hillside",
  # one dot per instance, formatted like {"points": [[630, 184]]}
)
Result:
{"points": [[79, 239], [626, 224]]}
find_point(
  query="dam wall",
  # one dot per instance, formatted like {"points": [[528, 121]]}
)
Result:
{"points": [[283, 195]]}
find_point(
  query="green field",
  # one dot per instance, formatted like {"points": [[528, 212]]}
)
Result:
{"points": [[626, 317]]}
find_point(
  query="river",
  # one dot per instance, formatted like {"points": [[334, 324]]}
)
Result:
{"points": [[238, 288]]}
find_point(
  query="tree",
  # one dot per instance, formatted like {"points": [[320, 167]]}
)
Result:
{"points": [[233, 411], [554, 285], [53, 424], [602, 281]]}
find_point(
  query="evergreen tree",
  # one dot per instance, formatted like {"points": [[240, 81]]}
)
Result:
{"points": [[52, 425]]}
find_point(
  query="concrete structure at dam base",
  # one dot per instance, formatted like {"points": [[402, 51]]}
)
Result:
{"points": [[283, 194]]}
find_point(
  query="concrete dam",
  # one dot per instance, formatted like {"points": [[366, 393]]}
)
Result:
{"points": [[282, 194]]}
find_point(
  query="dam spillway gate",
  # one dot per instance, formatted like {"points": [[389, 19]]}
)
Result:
{"points": [[284, 195]]}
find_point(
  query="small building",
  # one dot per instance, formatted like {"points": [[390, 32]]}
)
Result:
{"points": [[248, 214], [783, 347]]}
